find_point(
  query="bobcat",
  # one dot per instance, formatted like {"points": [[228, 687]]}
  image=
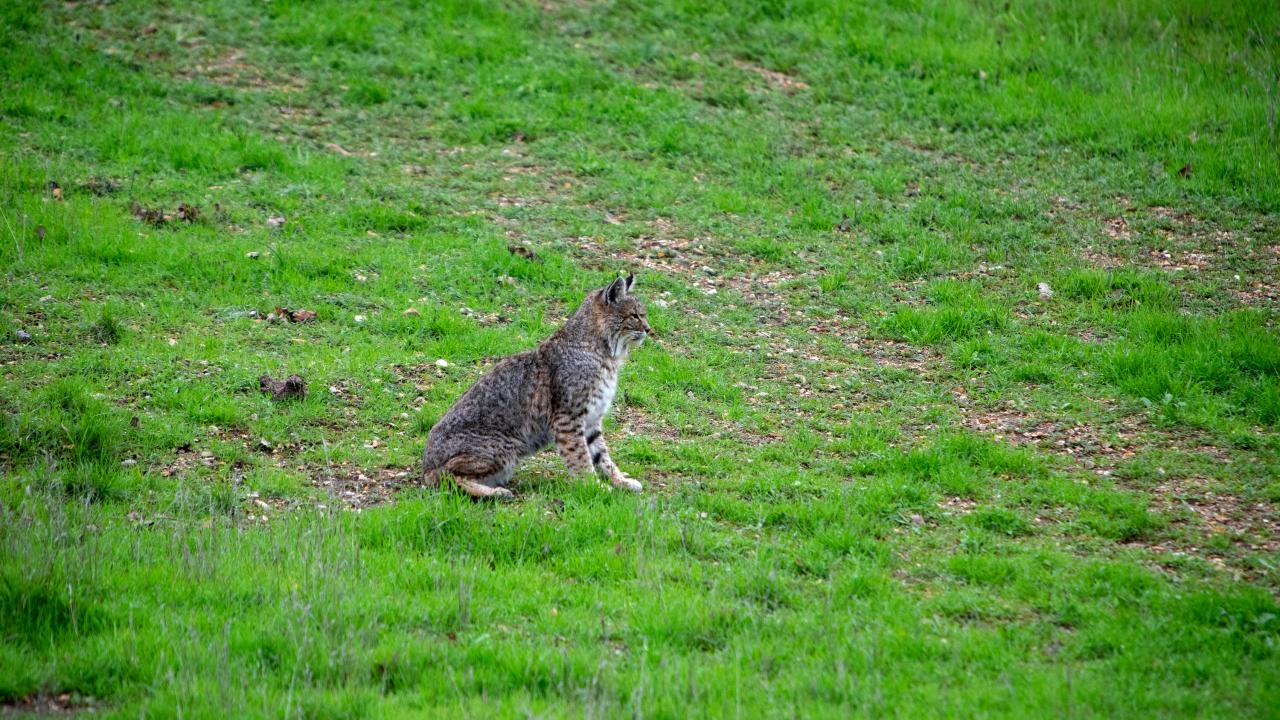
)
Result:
{"points": [[559, 392]]}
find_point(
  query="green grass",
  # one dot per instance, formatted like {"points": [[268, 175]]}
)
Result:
{"points": [[886, 475]]}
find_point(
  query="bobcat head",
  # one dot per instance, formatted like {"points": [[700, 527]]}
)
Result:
{"points": [[618, 318]]}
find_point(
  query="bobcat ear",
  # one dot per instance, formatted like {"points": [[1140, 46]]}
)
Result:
{"points": [[616, 291], [631, 280]]}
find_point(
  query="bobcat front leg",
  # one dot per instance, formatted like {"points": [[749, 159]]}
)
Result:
{"points": [[601, 461], [571, 444]]}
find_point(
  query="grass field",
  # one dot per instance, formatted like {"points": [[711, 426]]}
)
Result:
{"points": [[965, 402]]}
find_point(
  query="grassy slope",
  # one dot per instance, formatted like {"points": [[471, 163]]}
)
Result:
{"points": [[886, 477]]}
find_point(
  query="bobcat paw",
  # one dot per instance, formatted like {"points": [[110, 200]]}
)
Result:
{"points": [[621, 480]]}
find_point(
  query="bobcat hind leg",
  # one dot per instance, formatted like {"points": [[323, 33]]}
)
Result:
{"points": [[480, 477]]}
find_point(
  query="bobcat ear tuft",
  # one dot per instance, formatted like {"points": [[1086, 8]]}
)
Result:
{"points": [[631, 280], [616, 291]]}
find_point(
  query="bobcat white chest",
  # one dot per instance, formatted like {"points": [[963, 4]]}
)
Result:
{"points": [[602, 397]]}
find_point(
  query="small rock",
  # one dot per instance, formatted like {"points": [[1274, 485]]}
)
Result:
{"points": [[917, 520], [23, 336], [275, 221], [264, 445], [360, 318], [442, 363], [411, 312], [253, 254], [1046, 291], [49, 298], [128, 462]]}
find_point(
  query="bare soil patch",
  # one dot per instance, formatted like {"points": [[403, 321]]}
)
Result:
{"points": [[1097, 447], [48, 706], [895, 354], [1246, 263], [357, 489], [699, 262], [231, 68], [956, 505], [635, 421], [1253, 526], [778, 81]]}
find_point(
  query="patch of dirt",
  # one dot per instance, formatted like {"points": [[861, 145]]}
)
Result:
{"points": [[1263, 289], [419, 375], [1167, 213], [1100, 259], [48, 705], [1184, 261], [935, 154], [1185, 245], [186, 460], [955, 505], [778, 81], [230, 69], [1253, 526], [1099, 448], [667, 252], [507, 201], [356, 489], [635, 421], [892, 353], [1258, 293], [1116, 228], [559, 6]]}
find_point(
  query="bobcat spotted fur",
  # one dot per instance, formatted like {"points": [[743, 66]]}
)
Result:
{"points": [[557, 393]]}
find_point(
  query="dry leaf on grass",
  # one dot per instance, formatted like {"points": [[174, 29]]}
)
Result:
{"points": [[292, 316], [101, 185], [148, 215], [158, 218], [291, 388], [522, 251], [189, 213]]}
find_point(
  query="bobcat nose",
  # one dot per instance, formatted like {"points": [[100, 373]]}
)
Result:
{"points": [[648, 330]]}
